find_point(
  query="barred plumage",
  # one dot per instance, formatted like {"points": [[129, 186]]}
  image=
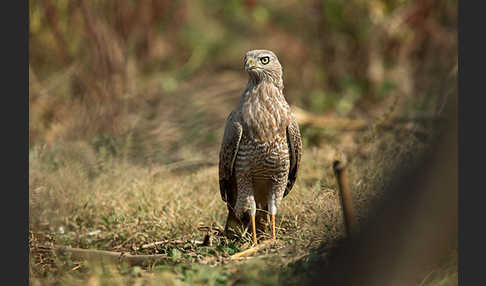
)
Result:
{"points": [[261, 148]]}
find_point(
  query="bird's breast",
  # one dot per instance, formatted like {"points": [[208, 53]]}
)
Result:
{"points": [[263, 150], [269, 159], [265, 113]]}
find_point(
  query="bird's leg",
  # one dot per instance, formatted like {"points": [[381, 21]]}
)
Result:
{"points": [[269, 222], [252, 216], [253, 229], [274, 237], [272, 208]]}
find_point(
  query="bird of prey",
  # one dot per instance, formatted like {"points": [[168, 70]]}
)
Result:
{"points": [[261, 149]]}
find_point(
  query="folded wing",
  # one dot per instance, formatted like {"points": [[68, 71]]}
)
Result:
{"points": [[229, 148], [294, 142]]}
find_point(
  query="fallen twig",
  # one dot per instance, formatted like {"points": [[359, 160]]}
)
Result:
{"points": [[214, 229], [252, 250], [307, 118], [176, 241], [112, 256], [188, 164]]}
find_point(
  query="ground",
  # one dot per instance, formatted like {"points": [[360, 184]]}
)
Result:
{"points": [[84, 197]]}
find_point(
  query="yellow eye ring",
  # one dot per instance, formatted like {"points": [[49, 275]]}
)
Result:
{"points": [[265, 60]]}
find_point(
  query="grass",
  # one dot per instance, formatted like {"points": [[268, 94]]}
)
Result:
{"points": [[81, 198]]}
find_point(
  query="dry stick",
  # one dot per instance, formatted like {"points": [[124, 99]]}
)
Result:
{"points": [[346, 200], [307, 118], [189, 163], [252, 250], [154, 244], [112, 256]]}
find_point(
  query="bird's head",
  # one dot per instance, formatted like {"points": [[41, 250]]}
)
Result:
{"points": [[263, 65]]}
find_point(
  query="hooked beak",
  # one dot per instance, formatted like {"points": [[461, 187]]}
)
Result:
{"points": [[250, 65]]}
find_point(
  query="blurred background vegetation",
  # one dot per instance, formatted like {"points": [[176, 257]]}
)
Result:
{"points": [[119, 90], [153, 81]]}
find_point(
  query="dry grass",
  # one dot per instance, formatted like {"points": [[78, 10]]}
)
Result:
{"points": [[81, 197], [123, 206]]}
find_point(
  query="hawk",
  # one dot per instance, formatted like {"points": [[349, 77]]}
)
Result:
{"points": [[262, 147]]}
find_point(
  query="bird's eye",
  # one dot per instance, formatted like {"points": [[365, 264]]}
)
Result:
{"points": [[265, 60]]}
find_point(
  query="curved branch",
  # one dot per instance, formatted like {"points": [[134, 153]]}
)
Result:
{"points": [[346, 200], [112, 256]]}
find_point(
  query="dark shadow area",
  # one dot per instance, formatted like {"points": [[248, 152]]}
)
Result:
{"points": [[414, 227]]}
